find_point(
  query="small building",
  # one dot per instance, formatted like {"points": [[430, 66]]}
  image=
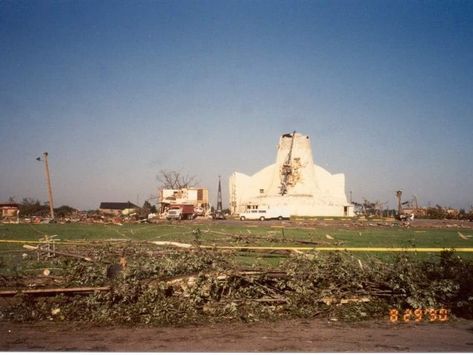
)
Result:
{"points": [[198, 197], [117, 208], [9, 212]]}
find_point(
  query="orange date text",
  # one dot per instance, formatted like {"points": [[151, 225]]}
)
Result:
{"points": [[418, 315]]}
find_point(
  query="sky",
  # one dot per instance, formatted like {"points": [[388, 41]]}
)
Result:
{"points": [[116, 91]]}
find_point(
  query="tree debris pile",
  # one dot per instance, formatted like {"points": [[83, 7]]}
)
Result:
{"points": [[161, 285]]}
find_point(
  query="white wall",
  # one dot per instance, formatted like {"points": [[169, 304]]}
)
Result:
{"points": [[313, 191]]}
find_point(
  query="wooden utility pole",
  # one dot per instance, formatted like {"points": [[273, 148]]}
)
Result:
{"points": [[48, 181]]}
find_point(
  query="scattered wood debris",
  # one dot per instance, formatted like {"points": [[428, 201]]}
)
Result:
{"points": [[174, 244], [38, 248], [53, 291], [167, 282], [464, 237]]}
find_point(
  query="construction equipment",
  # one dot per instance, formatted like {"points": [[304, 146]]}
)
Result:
{"points": [[48, 181], [405, 213], [286, 170]]}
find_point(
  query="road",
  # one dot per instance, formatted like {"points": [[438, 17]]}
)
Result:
{"points": [[315, 335]]}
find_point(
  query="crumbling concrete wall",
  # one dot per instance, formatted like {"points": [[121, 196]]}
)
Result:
{"points": [[293, 182]]}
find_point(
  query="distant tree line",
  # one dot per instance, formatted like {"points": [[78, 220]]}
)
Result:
{"points": [[439, 212], [32, 207]]}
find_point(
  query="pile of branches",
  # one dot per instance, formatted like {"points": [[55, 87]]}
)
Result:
{"points": [[166, 286]]}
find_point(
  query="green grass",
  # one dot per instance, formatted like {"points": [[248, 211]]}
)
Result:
{"points": [[251, 234], [258, 235]]}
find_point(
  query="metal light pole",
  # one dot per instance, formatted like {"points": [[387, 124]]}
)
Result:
{"points": [[48, 181]]}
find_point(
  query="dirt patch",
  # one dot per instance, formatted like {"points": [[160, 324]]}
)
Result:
{"points": [[290, 335]]}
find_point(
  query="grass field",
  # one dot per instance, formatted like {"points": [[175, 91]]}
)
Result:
{"points": [[235, 234]]}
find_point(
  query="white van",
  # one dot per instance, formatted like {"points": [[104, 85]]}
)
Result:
{"points": [[265, 213]]}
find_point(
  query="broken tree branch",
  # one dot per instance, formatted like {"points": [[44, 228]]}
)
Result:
{"points": [[86, 258], [174, 244], [53, 291]]}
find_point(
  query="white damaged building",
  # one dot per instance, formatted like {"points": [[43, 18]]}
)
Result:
{"points": [[294, 183]]}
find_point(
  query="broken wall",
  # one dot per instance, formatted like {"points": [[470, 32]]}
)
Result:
{"points": [[293, 182]]}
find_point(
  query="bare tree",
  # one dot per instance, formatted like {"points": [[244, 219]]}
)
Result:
{"points": [[171, 179]]}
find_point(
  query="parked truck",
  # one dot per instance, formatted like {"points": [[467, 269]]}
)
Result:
{"points": [[180, 211]]}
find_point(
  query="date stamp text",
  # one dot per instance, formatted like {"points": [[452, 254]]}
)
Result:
{"points": [[418, 315]]}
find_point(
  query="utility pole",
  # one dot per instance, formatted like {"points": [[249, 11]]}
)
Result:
{"points": [[48, 181]]}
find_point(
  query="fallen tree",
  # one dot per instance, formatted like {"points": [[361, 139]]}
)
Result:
{"points": [[192, 285]]}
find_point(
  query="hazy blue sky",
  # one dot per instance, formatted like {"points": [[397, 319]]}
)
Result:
{"points": [[117, 90]]}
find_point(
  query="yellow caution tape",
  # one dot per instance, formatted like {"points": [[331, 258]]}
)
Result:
{"points": [[412, 250], [22, 241], [56, 241], [362, 249]]}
